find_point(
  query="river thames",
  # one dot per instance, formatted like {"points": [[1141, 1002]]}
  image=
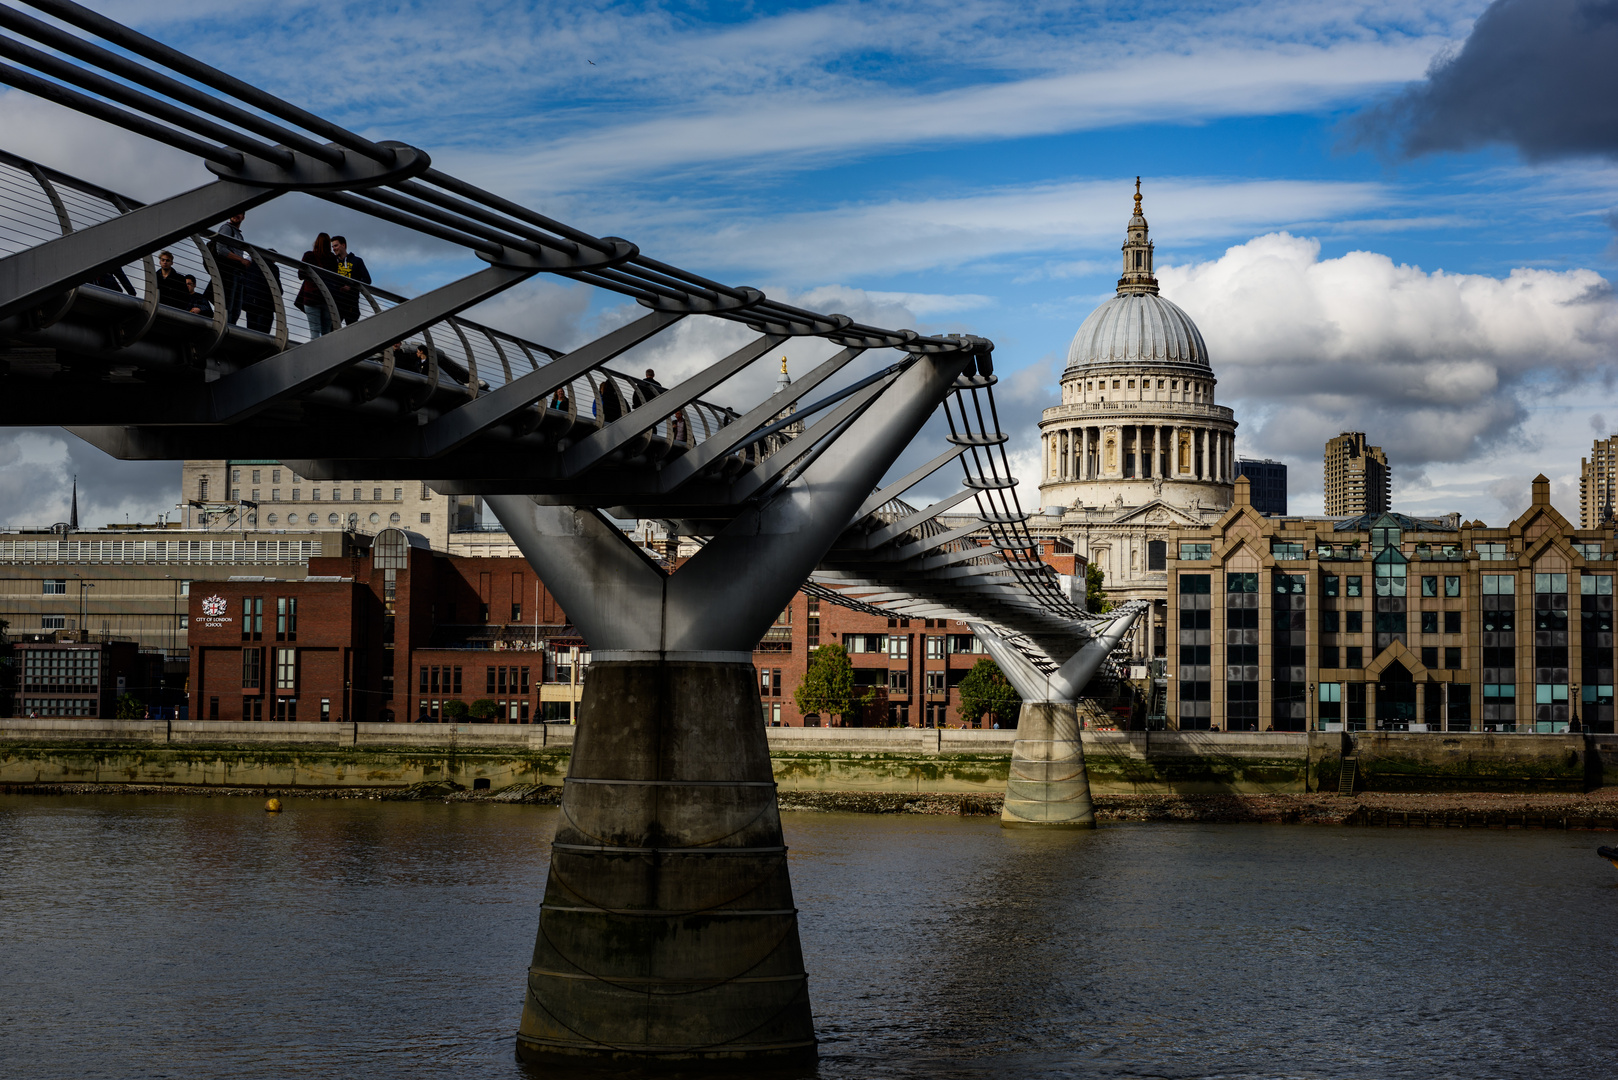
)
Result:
{"points": [[150, 936]]}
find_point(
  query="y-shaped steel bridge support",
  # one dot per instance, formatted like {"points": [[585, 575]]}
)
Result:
{"points": [[668, 928], [1048, 785]]}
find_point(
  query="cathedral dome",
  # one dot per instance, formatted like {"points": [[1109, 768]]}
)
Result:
{"points": [[1137, 327]]}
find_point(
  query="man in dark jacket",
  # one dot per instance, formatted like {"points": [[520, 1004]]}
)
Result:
{"points": [[197, 302], [351, 267], [171, 288]]}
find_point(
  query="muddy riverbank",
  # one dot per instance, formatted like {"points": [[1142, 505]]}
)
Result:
{"points": [[1596, 810]]}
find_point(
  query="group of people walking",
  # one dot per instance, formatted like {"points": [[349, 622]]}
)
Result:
{"points": [[329, 295]]}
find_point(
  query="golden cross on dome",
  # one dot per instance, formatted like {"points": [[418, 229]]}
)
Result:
{"points": [[1137, 194], [783, 365]]}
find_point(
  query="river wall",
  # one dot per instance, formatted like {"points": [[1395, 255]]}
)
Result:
{"points": [[873, 760]]}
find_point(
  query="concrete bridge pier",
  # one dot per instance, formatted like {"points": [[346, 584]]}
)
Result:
{"points": [[668, 931], [668, 928], [1048, 786]]}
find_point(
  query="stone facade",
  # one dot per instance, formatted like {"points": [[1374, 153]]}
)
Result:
{"points": [[1387, 622]]}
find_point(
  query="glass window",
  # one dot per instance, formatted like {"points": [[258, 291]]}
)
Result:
{"points": [[55, 587], [1328, 584], [1452, 622], [1328, 623], [1452, 585], [1499, 584], [286, 669], [1290, 550], [1157, 554], [1452, 658], [1550, 583], [1493, 550], [1352, 585], [1196, 552], [1429, 622], [1596, 584], [1354, 656], [1355, 622], [1429, 585]]}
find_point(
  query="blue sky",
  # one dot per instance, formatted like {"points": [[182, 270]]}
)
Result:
{"points": [[1435, 276]]}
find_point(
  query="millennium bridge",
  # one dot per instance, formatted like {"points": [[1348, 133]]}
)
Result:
{"points": [[668, 929]]}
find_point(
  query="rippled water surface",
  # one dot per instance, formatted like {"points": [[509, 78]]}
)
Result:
{"points": [[145, 936]]}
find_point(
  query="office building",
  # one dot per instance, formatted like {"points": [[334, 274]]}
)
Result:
{"points": [[1268, 484]]}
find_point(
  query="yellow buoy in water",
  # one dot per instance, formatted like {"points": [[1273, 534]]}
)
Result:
{"points": [[272, 806]]}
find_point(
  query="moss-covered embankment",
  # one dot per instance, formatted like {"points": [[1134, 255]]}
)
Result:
{"points": [[853, 761]]}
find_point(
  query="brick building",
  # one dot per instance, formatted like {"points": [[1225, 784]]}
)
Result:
{"points": [[389, 634], [1387, 622], [397, 632], [58, 675]]}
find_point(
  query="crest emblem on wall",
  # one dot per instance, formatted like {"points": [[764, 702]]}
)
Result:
{"points": [[214, 606]]}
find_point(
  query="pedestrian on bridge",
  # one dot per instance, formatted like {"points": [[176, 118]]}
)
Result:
{"points": [[319, 265], [235, 265], [171, 288], [197, 302], [352, 268]]}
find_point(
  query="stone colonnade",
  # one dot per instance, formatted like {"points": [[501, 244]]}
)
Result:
{"points": [[1140, 451]]}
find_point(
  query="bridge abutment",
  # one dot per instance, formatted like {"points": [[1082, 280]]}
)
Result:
{"points": [[668, 929]]}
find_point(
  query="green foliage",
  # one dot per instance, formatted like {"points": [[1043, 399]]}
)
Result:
{"points": [[455, 710], [482, 709], [1095, 598], [129, 707], [828, 684], [985, 690]]}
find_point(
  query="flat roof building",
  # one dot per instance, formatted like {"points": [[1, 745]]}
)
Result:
{"points": [[1269, 484]]}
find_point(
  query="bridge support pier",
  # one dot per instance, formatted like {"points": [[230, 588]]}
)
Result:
{"points": [[1048, 786], [668, 929]]}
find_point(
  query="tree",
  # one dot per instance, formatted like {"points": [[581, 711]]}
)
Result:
{"points": [[129, 707], [985, 690], [1095, 598], [828, 684], [483, 709], [455, 710]]}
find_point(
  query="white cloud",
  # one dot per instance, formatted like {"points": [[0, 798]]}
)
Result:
{"points": [[1435, 367]]}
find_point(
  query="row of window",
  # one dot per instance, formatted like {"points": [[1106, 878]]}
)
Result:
{"points": [[286, 618], [275, 495], [897, 646], [286, 669]]}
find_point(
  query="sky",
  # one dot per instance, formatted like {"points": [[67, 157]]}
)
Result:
{"points": [[1393, 217]]}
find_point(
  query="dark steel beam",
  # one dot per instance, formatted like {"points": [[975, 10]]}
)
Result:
{"points": [[467, 422], [909, 480], [588, 452], [263, 384], [744, 430]]}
